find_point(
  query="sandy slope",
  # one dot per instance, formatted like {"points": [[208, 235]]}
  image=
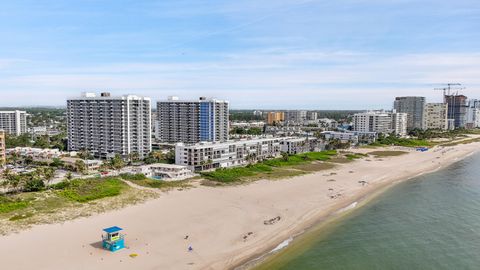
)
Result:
{"points": [[216, 219]]}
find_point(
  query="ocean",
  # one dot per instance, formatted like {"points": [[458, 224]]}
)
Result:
{"points": [[429, 222]]}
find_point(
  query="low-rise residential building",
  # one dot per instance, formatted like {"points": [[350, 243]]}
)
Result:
{"points": [[44, 131], [91, 164], [3, 156], [160, 171], [37, 154], [212, 155], [342, 136], [13, 122], [294, 146], [354, 137], [435, 116]]}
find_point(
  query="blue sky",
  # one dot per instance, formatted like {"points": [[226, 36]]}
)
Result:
{"points": [[312, 54]]}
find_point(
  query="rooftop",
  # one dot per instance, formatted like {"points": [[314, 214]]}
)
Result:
{"points": [[112, 229]]}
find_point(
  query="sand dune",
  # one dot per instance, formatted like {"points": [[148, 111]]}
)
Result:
{"points": [[225, 226]]}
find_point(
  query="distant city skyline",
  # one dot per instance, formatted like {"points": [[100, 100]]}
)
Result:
{"points": [[272, 54]]}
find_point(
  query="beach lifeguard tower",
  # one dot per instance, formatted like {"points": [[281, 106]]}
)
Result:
{"points": [[113, 240]]}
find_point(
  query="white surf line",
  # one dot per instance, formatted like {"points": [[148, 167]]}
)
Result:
{"points": [[282, 245], [349, 207]]}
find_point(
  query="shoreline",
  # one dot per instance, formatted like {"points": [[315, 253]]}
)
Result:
{"points": [[218, 220], [335, 215]]}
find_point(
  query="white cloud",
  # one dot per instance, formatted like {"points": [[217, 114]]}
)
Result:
{"points": [[274, 78]]}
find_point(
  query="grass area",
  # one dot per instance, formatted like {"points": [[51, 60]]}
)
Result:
{"points": [[68, 200], [272, 169], [353, 156], [461, 142], [9, 204], [86, 190], [379, 154], [391, 140]]}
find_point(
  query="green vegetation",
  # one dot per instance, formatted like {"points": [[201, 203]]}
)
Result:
{"points": [[142, 180], [442, 134], [461, 142], [159, 157], [378, 154], [274, 168], [9, 204], [244, 115], [86, 190], [394, 140], [354, 156], [25, 140], [250, 131]]}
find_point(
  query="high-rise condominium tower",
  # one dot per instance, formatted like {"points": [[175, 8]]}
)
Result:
{"points": [[413, 107], [192, 121], [457, 109], [106, 125], [13, 122]]}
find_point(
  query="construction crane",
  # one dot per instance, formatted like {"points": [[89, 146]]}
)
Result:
{"points": [[448, 89]]}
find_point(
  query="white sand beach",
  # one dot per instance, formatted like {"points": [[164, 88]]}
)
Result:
{"points": [[225, 225]]}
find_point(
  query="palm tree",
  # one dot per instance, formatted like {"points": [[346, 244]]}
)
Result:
{"points": [[157, 155], [80, 166], [48, 173]]}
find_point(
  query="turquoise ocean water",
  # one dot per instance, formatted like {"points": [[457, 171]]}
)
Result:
{"points": [[430, 222]]}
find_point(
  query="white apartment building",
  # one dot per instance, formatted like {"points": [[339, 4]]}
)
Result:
{"points": [[399, 123], [106, 125], [159, 171], [385, 122], [353, 137], [297, 116], [298, 145], [435, 116], [312, 115], [212, 155], [13, 122], [473, 114], [192, 121]]}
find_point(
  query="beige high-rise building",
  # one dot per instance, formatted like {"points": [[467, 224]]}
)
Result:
{"points": [[435, 116], [3, 158], [275, 117]]}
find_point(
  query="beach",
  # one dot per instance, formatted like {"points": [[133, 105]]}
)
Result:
{"points": [[226, 226]]}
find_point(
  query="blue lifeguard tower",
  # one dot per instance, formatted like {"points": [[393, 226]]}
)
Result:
{"points": [[113, 240]]}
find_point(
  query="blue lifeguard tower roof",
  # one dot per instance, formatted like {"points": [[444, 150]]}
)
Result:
{"points": [[112, 229]]}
